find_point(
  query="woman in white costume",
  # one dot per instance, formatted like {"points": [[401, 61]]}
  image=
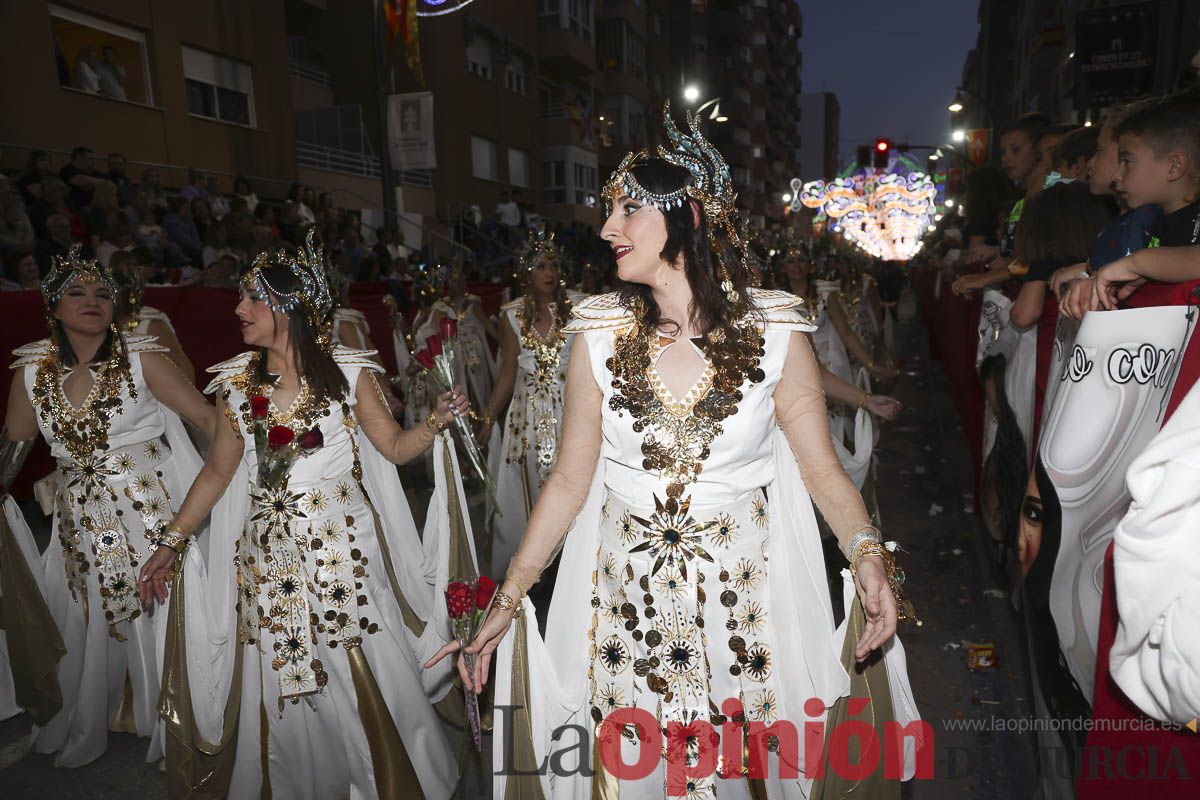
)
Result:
{"points": [[291, 660], [854, 432], [534, 351], [676, 482], [476, 366], [109, 405]]}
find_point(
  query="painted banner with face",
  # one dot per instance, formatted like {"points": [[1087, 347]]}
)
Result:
{"points": [[1112, 390]]}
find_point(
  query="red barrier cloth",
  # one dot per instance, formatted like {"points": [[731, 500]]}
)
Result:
{"points": [[1152, 764], [953, 325], [1047, 325], [1110, 707]]}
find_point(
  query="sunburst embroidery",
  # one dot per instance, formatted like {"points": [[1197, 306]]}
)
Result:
{"points": [[613, 610], [671, 535], [746, 574], [343, 493], [123, 463], [107, 541], [611, 698], [758, 663], [316, 501], [153, 451], [679, 655], [335, 562], [671, 583], [293, 646], [763, 708], [724, 532], [297, 678], [154, 506], [608, 569], [614, 655], [338, 594], [330, 531], [759, 510], [751, 617], [626, 529], [277, 506]]}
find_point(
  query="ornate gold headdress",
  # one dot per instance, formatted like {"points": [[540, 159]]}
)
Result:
{"points": [[538, 244], [74, 267], [312, 295], [709, 184]]}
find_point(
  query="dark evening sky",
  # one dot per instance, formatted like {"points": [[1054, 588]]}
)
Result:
{"points": [[893, 64]]}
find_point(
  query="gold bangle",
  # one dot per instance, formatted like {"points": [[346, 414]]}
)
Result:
{"points": [[863, 399], [433, 425], [503, 602], [172, 536]]}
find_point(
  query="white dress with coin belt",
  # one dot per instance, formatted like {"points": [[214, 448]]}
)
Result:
{"points": [[684, 605], [106, 508], [528, 443], [309, 590]]}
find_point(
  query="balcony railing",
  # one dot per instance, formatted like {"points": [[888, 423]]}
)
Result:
{"points": [[335, 139], [306, 62], [334, 160]]}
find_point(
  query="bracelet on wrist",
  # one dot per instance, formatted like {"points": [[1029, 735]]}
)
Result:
{"points": [[905, 611], [863, 399], [435, 427], [868, 533], [172, 536]]}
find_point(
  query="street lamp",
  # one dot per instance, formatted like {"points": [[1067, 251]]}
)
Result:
{"points": [[949, 203], [691, 94], [787, 198], [959, 135], [955, 107]]}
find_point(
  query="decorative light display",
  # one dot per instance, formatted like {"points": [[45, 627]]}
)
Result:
{"points": [[437, 8], [885, 215]]}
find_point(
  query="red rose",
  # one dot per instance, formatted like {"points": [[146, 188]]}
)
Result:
{"points": [[312, 439], [424, 359], [434, 343], [259, 406], [459, 600], [280, 437], [449, 327], [484, 590]]}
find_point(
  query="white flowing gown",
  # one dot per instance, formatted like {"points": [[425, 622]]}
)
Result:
{"points": [[106, 508], [338, 601], [722, 597]]}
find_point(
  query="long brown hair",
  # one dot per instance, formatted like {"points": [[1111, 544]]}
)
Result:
{"points": [[323, 375]]}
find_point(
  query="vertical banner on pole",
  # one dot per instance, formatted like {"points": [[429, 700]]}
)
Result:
{"points": [[410, 131], [977, 146]]}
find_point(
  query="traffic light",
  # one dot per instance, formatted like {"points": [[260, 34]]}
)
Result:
{"points": [[864, 155], [883, 149]]}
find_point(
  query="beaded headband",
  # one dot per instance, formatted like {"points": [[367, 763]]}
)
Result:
{"points": [[312, 295], [709, 182], [64, 270]]}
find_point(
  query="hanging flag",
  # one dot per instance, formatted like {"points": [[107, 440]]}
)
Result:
{"points": [[401, 16]]}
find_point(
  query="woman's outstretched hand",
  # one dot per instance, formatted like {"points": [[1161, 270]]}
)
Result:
{"points": [[152, 582], [482, 646], [878, 604]]}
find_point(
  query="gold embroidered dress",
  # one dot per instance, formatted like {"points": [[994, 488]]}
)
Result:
{"points": [[306, 636], [125, 464], [529, 443], [693, 574]]}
